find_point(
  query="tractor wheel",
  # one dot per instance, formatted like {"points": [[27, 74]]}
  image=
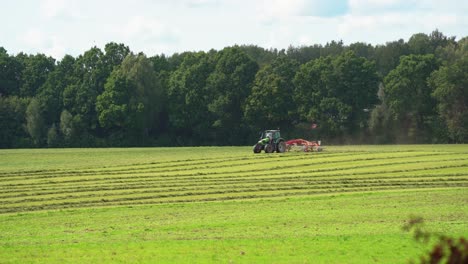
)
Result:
{"points": [[257, 148], [269, 148], [281, 148]]}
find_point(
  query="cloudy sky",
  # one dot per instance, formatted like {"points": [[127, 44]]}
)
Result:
{"points": [[58, 27]]}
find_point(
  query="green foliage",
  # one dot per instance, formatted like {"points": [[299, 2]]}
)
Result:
{"points": [[52, 136], [132, 98], [116, 98], [335, 92], [229, 85], [450, 88], [66, 124], [409, 96], [12, 120], [270, 104], [189, 97], [35, 72], [35, 122], [10, 72]]}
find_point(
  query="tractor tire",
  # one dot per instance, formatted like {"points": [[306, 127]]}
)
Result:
{"points": [[281, 147], [269, 148], [257, 148]]}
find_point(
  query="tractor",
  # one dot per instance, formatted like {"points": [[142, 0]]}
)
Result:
{"points": [[270, 141]]}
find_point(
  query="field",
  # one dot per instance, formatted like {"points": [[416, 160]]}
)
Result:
{"points": [[228, 205]]}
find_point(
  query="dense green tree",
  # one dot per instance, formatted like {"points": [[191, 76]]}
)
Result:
{"points": [[112, 97], [381, 123], [311, 84], [53, 137], [362, 50], [189, 97], [114, 55], [51, 92], [12, 119], [35, 122], [132, 99], [333, 48], [336, 93], [79, 98], [387, 57], [230, 84], [270, 104], [409, 96], [357, 85], [35, 72], [66, 125], [420, 43], [450, 88], [10, 74], [304, 54], [260, 55]]}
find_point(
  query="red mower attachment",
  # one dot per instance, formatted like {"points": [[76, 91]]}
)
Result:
{"points": [[303, 145]]}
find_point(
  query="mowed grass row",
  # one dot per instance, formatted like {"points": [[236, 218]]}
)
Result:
{"points": [[227, 173]]}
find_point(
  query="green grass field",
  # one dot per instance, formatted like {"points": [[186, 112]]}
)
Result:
{"points": [[227, 205]]}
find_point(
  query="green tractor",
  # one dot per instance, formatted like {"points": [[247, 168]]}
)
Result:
{"points": [[270, 141]]}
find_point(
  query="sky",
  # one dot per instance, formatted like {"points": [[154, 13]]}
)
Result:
{"points": [[59, 27]]}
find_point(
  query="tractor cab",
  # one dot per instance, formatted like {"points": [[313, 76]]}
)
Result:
{"points": [[273, 135]]}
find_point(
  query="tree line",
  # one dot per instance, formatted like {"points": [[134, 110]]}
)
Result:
{"points": [[411, 91]]}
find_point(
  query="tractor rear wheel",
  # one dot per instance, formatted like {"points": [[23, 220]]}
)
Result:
{"points": [[257, 148], [281, 148], [269, 148]]}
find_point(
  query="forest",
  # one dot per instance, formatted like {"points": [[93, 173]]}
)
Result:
{"points": [[413, 91]]}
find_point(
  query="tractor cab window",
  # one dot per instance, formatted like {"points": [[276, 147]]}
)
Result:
{"points": [[277, 134], [269, 135]]}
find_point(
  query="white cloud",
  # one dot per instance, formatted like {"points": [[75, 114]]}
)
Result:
{"points": [[34, 37], [391, 26], [201, 3], [148, 28], [287, 8], [52, 9], [41, 42], [73, 26], [147, 34]]}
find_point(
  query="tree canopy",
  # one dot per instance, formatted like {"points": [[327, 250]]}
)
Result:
{"points": [[411, 91]]}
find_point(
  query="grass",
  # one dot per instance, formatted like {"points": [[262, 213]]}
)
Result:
{"points": [[211, 205]]}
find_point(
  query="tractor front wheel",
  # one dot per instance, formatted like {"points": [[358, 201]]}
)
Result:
{"points": [[269, 148], [281, 148]]}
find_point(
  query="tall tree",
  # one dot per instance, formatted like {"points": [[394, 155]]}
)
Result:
{"points": [[270, 104], [132, 99], [335, 92], [409, 96], [10, 74], [50, 94], [230, 84], [79, 97], [357, 86], [12, 119], [35, 122], [387, 57], [114, 55], [420, 44], [35, 72], [450, 85], [188, 98]]}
